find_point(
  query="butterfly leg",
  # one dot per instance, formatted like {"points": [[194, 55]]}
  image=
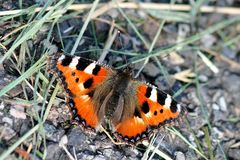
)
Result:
{"points": [[110, 137]]}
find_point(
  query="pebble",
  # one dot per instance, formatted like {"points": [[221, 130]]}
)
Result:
{"points": [[77, 138], [52, 133], [1, 106], [208, 40], [99, 157], [179, 156], [63, 141], [217, 133], [215, 106], [7, 133], [17, 111], [183, 30], [218, 115], [234, 153], [7, 120], [229, 53], [54, 151], [203, 78], [151, 69], [200, 133], [113, 13], [222, 104]]}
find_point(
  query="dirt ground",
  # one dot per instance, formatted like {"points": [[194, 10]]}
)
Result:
{"points": [[209, 92]]}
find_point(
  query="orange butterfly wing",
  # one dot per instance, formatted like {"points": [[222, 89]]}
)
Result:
{"points": [[80, 77], [154, 109]]}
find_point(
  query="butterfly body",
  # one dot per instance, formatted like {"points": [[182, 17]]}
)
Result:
{"points": [[102, 96]]}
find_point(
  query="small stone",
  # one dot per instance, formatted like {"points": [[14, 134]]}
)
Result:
{"points": [[203, 78], [17, 111], [99, 157], [216, 95], [183, 30], [218, 134], [174, 58], [208, 40], [151, 69], [1, 106], [200, 133], [218, 115], [52, 133], [63, 141], [7, 133], [179, 156], [215, 106], [107, 152], [229, 53], [8, 120], [54, 151], [77, 138], [113, 13], [234, 153], [222, 104], [93, 148]]}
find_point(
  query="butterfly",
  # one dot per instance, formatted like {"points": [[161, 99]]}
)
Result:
{"points": [[99, 95]]}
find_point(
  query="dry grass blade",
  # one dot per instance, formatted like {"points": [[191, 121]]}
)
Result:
{"points": [[208, 62], [157, 151], [104, 8], [62, 144], [234, 65], [185, 76], [158, 6], [89, 16], [108, 45]]}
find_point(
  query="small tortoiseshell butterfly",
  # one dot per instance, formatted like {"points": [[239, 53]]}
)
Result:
{"points": [[100, 95]]}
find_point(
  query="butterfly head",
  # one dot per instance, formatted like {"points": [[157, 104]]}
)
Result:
{"points": [[127, 71]]}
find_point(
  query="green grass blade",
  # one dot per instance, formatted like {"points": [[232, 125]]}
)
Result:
{"points": [[84, 27], [25, 75]]}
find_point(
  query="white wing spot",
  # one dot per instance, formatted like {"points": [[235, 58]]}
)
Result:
{"points": [[90, 68], [153, 96], [179, 108], [74, 63], [61, 58], [140, 120], [85, 97], [168, 101], [149, 114], [81, 87]]}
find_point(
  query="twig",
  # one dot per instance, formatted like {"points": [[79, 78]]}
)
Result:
{"points": [[88, 18], [108, 44], [234, 65], [132, 5], [106, 7]]}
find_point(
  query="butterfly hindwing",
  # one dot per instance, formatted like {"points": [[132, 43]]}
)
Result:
{"points": [[154, 108], [157, 107]]}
